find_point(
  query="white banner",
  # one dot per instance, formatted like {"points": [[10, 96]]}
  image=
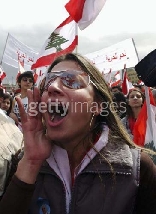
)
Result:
{"points": [[115, 56], [15, 50]]}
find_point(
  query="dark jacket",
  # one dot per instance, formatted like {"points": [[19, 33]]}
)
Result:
{"points": [[110, 187]]}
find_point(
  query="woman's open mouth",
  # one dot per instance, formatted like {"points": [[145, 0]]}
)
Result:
{"points": [[57, 113]]}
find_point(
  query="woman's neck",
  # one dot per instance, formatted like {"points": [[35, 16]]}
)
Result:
{"points": [[136, 112], [76, 150]]}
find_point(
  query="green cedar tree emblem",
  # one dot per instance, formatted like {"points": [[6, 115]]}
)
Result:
{"points": [[55, 40]]}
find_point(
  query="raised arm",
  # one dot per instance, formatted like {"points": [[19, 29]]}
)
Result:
{"points": [[37, 148]]}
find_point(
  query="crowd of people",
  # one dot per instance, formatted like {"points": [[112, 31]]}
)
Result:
{"points": [[78, 154]]}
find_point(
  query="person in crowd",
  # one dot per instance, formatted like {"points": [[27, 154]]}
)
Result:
{"points": [[6, 104], [10, 146], [80, 159], [135, 100], [116, 88], [120, 104], [25, 81]]}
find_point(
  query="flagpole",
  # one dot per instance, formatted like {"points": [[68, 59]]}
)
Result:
{"points": [[4, 49], [135, 49]]}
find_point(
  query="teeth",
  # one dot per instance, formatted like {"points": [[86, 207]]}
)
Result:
{"points": [[52, 117]]}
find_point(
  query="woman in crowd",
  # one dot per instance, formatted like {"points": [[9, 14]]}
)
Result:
{"points": [[80, 160], [135, 100]]}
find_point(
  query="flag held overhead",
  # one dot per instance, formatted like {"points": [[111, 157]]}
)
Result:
{"points": [[63, 40], [84, 12]]}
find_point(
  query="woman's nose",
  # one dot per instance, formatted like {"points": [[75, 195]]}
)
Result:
{"points": [[55, 87]]}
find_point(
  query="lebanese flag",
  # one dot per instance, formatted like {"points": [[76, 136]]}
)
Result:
{"points": [[115, 79], [63, 40], [107, 77], [125, 88], [116, 83], [35, 75], [144, 133], [20, 67], [84, 12], [2, 74], [126, 84], [39, 76]]}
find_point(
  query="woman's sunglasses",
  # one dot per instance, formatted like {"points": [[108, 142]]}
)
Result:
{"points": [[70, 78], [26, 79]]}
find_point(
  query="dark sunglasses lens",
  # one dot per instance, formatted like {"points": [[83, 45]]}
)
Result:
{"points": [[49, 79], [69, 80], [75, 80]]}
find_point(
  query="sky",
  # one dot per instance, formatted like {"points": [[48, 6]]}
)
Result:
{"points": [[32, 21]]}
